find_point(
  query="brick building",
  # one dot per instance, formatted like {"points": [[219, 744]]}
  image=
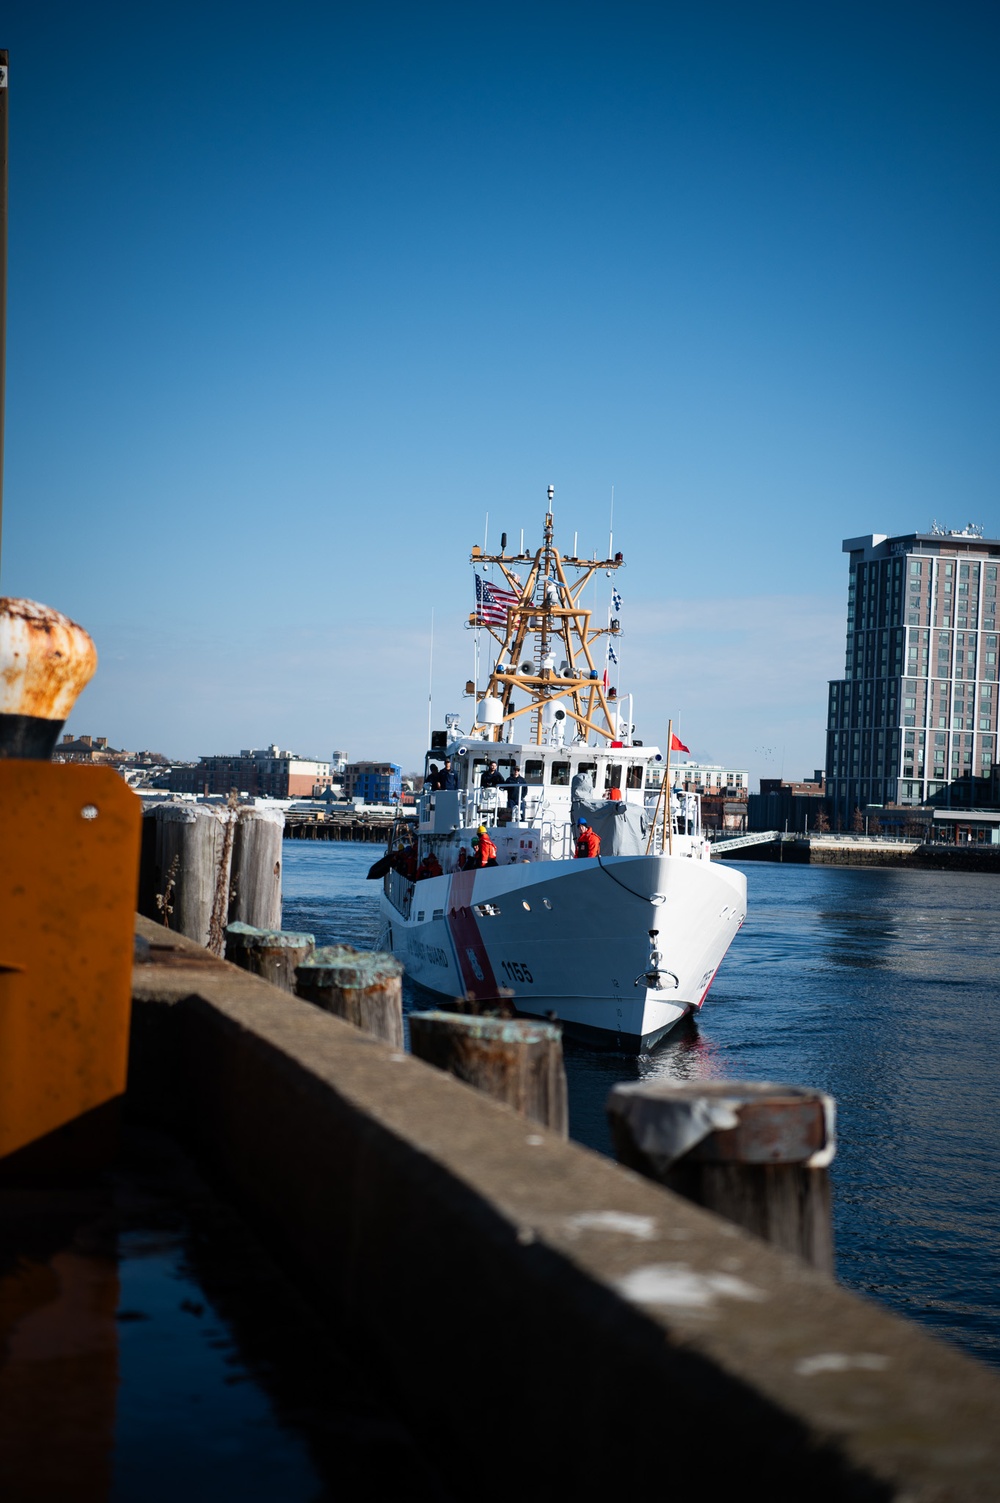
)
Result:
{"points": [[270, 773]]}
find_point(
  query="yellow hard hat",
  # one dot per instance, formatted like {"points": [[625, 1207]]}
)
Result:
{"points": [[481, 830]]}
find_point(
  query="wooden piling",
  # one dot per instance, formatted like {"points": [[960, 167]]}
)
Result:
{"points": [[361, 986], [270, 953], [754, 1152], [191, 861], [255, 883], [515, 1060]]}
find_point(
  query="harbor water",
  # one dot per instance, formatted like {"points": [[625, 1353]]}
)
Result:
{"points": [[881, 987]]}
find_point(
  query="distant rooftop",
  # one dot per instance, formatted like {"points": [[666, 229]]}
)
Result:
{"points": [[967, 539]]}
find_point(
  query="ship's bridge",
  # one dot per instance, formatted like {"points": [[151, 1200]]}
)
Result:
{"points": [[541, 797], [630, 770]]}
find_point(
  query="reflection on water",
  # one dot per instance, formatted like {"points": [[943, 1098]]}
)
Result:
{"points": [[881, 987]]}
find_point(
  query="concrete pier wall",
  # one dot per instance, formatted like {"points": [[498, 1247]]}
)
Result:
{"points": [[555, 1325], [841, 851]]}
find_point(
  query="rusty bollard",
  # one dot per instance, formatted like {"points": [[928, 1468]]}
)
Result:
{"points": [[514, 1060], [362, 986], [47, 659], [754, 1152], [272, 954]]}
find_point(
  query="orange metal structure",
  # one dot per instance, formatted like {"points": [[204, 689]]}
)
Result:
{"points": [[69, 862]]}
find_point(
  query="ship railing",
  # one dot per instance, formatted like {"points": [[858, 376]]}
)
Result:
{"points": [[483, 803], [399, 890], [658, 846], [556, 839]]}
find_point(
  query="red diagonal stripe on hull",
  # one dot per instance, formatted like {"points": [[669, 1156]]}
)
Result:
{"points": [[470, 952]]}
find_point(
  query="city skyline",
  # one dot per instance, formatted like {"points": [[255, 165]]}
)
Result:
{"points": [[282, 333]]}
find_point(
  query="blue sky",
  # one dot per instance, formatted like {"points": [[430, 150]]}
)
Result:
{"points": [[299, 294]]}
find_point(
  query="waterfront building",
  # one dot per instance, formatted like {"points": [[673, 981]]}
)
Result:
{"points": [[706, 777], [789, 806], [270, 773], [373, 782], [916, 711], [95, 749]]}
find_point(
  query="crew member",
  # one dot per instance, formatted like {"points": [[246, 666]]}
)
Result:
{"points": [[406, 862], [444, 779], [484, 852], [588, 842], [492, 777], [517, 790], [429, 867]]}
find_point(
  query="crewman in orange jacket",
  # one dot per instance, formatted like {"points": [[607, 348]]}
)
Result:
{"points": [[588, 843], [484, 852], [429, 867]]}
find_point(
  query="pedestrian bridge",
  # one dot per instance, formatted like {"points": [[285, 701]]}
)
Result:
{"points": [[740, 842]]}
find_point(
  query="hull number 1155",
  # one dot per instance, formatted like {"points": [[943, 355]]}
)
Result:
{"points": [[515, 971]]}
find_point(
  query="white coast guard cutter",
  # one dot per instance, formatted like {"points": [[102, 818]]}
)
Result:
{"points": [[619, 947]]}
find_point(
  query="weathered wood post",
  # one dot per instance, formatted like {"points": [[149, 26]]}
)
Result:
{"points": [[255, 883], [272, 954], [192, 856], [515, 1060], [754, 1152], [362, 986]]}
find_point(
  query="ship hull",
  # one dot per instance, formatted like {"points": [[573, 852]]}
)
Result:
{"points": [[571, 938]]}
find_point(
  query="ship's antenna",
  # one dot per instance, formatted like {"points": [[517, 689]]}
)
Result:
{"points": [[430, 681], [521, 549], [486, 533], [611, 527]]}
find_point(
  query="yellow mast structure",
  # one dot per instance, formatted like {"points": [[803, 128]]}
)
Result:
{"points": [[549, 614]]}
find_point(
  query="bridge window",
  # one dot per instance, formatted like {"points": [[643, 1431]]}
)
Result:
{"points": [[559, 776], [533, 771], [635, 776]]}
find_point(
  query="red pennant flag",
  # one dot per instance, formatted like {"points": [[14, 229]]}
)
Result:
{"points": [[676, 744]]}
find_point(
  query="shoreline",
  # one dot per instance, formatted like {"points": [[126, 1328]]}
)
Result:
{"points": [[869, 851]]}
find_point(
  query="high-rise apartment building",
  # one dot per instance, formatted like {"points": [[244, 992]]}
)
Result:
{"points": [[917, 706]]}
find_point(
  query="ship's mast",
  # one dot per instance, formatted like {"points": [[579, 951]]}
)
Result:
{"points": [[548, 619]]}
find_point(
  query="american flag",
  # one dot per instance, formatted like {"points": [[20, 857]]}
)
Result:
{"points": [[492, 603]]}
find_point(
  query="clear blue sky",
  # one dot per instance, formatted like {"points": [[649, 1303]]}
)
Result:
{"points": [[298, 294]]}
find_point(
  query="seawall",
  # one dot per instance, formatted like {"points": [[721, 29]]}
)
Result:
{"points": [[820, 851], [554, 1324]]}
